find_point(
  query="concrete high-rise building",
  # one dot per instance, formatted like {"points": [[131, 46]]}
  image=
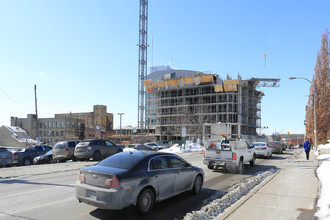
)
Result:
{"points": [[192, 101]]}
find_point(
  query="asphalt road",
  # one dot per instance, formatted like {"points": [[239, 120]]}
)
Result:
{"points": [[52, 195]]}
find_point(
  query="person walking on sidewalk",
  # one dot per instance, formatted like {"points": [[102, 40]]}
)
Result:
{"points": [[307, 147]]}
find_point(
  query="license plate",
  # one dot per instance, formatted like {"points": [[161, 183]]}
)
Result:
{"points": [[91, 194]]}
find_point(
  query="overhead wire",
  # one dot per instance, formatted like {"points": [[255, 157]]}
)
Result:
{"points": [[13, 100]]}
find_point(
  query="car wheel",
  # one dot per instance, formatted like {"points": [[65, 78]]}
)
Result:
{"points": [[253, 161], [27, 162], [97, 155], [197, 185], [145, 201], [210, 167], [240, 167]]}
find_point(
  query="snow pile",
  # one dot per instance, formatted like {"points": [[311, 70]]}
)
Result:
{"points": [[323, 203], [176, 148], [218, 206]]}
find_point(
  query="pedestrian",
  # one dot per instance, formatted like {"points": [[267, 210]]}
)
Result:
{"points": [[307, 147]]}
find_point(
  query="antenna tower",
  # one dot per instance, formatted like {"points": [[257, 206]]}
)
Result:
{"points": [[143, 45]]}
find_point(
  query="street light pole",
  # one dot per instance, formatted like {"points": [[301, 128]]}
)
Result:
{"points": [[120, 114], [315, 130]]}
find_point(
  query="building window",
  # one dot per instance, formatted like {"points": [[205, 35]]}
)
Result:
{"points": [[72, 125], [45, 133], [53, 133], [49, 124], [45, 124], [57, 124], [57, 133], [40, 125], [62, 124], [62, 133], [67, 124], [78, 125], [53, 124]]}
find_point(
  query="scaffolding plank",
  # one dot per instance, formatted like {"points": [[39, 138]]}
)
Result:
{"points": [[205, 79], [188, 81], [161, 84], [173, 82]]}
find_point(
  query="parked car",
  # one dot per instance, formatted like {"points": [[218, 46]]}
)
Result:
{"points": [[137, 178], [6, 157], [26, 156], [96, 149], [262, 149], [164, 144], [276, 146], [64, 150], [45, 158], [142, 147], [154, 146], [229, 154]]}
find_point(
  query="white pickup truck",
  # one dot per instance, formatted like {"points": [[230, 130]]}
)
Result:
{"points": [[229, 154]]}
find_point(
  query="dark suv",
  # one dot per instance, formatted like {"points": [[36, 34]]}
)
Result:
{"points": [[64, 150], [96, 149]]}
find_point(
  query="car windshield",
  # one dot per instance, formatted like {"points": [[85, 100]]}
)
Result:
{"points": [[125, 160], [258, 144], [273, 144], [59, 146]]}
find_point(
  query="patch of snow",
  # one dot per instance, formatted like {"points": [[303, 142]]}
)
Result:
{"points": [[176, 148], [235, 193], [323, 171]]}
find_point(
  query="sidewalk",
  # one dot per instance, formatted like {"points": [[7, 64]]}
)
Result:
{"points": [[291, 193]]}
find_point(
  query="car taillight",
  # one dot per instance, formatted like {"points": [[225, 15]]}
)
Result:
{"points": [[66, 149], [112, 183], [277, 146], [89, 148], [81, 177], [234, 156], [264, 148], [14, 154], [203, 153]]}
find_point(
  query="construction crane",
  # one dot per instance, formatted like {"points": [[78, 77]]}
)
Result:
{"points": [[143, 46]]}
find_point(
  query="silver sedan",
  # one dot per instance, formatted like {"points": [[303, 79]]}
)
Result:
{"points": [[262, 149], [137, 178]]}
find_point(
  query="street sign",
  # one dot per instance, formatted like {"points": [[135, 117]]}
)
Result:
{"points": [[183, 132]]}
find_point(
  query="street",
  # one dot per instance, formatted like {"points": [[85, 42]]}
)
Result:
{"points": [[52, 195]]}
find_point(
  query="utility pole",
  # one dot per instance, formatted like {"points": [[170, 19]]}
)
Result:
{"points": [[314, 101], [143, 45], [120, 114], [35, 100]]}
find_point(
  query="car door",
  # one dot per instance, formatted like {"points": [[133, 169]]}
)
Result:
{"points": [[102, 148], [163, 178], [111, 149], [40, 150], [184, 176]]}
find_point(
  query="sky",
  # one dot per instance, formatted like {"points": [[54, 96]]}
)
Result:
{"points": [[81, 53]]}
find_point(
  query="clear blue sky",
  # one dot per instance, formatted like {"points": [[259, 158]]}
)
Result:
{"points": [[80, 52]]}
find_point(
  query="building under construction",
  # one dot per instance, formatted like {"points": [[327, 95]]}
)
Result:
{"points": [[183, 103]]}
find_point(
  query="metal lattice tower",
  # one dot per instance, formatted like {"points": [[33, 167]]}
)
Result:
{"points": [[143, 45]]}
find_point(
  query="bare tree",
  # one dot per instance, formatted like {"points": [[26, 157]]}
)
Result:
{"points": [[321, 84]]}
